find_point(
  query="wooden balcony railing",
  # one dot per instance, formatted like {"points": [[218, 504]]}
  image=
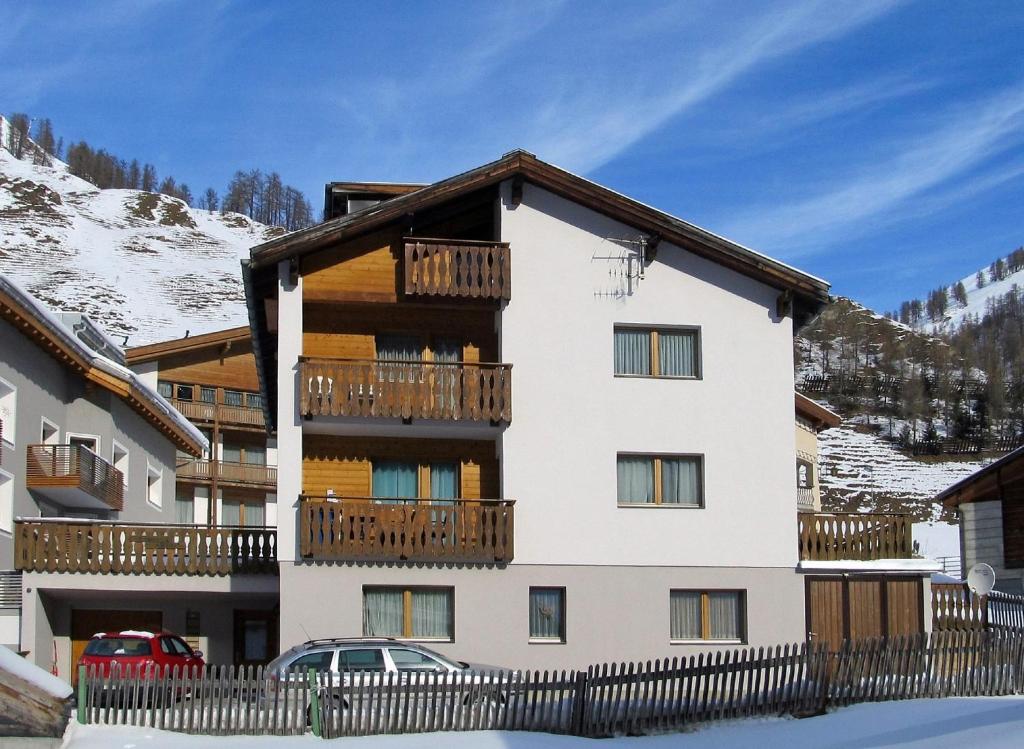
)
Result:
{"points": [[62, 546], [854, 536], [479, 531], [459, 268], [62, 467], [202, 411], [238, 473], [407, 390]]}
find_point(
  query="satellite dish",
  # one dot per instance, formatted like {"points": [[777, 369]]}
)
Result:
{"points": [[981, 578]]}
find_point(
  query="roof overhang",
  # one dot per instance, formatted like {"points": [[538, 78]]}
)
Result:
{"points": [[985, 484], [17, 308], [817, 414], [154, 351]]}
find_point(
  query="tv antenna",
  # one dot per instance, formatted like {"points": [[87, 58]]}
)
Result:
{"points": [[626, 266]]}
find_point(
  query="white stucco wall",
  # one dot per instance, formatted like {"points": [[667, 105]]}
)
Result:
{"points": [[571, 415], [289, 423]]}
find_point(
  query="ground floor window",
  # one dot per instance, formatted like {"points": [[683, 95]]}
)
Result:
{"points": [[707, 615], [547, 614], [416, 613]]}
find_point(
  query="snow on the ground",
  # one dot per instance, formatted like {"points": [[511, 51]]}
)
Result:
{"points": [[977, 299], [140, 264], [952, 723], [861, 472], [25, 670]]}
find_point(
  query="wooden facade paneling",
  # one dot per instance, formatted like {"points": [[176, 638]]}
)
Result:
{"points": [[364, 269], [234, 369], [825, 611], [344, 464], [865, 613], [333, 331], [904, 607]]}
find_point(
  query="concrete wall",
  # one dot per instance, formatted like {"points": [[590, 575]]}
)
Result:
{"points": [[981, 540], [571, 415], [612, 612]]}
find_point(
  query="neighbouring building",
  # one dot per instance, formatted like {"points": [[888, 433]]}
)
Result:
{"points": [[811, 419], [88, 539], [531, 421], [990, 505]]}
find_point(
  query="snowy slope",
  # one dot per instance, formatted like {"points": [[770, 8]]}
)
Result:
{"points": [[142, 265], [976, 300]]}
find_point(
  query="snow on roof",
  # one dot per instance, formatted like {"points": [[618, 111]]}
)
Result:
{"points": [[923, 566], [57, 328], [25, 670]]}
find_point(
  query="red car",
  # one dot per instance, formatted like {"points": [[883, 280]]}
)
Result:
{"points": [[133, 652]]}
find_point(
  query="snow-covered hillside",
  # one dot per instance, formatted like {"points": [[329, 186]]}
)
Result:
{"points": [[143, 265], [977, 298]]}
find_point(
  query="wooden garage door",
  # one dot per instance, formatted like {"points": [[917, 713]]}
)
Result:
{"points": [[856, 607], [87, 622]]}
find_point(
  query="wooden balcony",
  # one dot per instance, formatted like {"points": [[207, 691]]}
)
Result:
{"points": [[63, 546], [458, 269], [854, 536], [406, 390], [804, 499], [225, 414], [74, 476], [243, 474], [468, 531]]}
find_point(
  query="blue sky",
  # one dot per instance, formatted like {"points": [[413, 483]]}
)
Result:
{"points": [[879, 145]]}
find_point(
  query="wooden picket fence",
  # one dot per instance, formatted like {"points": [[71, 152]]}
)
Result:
{"points": [[606, 700], [956, 608]]}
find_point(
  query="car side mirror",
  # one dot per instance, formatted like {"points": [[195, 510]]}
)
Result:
{"points": [[197, 653]]}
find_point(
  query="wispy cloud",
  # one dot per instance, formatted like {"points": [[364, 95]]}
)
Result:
{"points": [[906, 178]]}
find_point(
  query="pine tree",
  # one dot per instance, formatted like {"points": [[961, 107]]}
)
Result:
{"points": [[979, 279], [960, 293], [149, 178]]}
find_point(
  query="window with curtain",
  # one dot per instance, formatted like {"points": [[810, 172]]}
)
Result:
{"points": [[184, 507], [233, 398], [547, 614], [256, 455], [413, 613], [707, 615], [231, 453], [394, 480], [656, 352], [671, 480], [444, 482], [207, 395], [398, 348]]}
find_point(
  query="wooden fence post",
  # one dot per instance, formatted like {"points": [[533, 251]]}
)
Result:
{"points": [[82, 692], [579, 703], [314, 703]]}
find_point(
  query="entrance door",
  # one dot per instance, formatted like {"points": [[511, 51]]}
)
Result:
{"points": [[255, 637], [87, 622]]}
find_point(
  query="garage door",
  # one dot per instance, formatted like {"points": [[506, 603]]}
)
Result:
{"points": [[856, 607]]}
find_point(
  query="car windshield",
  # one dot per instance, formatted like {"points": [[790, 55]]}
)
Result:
{"points": [[124, 646]]}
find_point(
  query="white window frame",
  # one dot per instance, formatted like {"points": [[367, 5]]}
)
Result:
{"points": [[45, 422], [6, 503], [12, 395], [150, 472], [114, 447], [68, 436]]}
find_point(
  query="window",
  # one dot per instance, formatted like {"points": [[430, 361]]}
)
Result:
{"points": [[208, 395], [6, 502], [49, 433], [412, 660], [165, 389], [184, 506], [420, 613], [233, 398], [403, 479], [154, 486], [707, 615], [804, 474], [671, 480], [8, 403], [119, 459], [247, 512], [658, 352], [547, 614], [184, 392], [362, 659], [320, 660]]}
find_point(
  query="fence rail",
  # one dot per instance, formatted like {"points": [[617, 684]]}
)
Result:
{"points": [[239, 473], [601, 701], [456, 391], [854, 536], [57, 546], [229, 414], [956, 608], [474, 270], [363, 529]]}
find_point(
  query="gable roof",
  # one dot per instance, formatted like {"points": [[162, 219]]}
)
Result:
{"points": [[821, 417], [601, 199], [986, 483], [44, 329], [188, 344]]}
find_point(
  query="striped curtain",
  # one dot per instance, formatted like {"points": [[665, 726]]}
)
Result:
{"points": [[635, 479], [676, 354], [383, 613], [546, 613], [684, 615], [394, 481], [395, 348], [447, 355], [431, 613], [680, 481], [725, 615], [632, 352]]}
